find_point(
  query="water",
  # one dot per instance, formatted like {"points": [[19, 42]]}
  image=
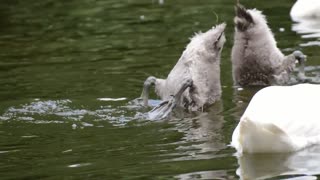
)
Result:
{"points": [[69, 69]]}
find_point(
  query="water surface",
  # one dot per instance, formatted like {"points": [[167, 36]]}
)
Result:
{"points": [[69, 68]]}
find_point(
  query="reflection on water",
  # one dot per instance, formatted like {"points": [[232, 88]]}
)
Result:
{"points": [[303, 163], [206, 130], [305, 13], [204, 140], [69, 68], [206, 175], [310, 30]]}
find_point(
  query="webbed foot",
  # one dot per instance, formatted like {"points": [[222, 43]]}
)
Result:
{"points": [[166, 107]]}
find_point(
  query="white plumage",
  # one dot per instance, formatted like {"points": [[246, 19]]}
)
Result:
{"points": [[280, 119], [305, 9]]}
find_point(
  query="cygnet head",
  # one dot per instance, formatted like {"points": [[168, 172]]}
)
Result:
{"points": [[209, 43]]}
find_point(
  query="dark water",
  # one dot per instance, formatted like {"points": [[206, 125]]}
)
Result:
{"points": [[58, 58]]}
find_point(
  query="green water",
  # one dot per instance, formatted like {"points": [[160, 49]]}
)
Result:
{"points": [[57, 58]]}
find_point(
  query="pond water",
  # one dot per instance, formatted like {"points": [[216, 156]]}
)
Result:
{"points": [[69, 68]]}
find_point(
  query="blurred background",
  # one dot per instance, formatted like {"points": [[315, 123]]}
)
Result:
{"points": [[59, 58]]}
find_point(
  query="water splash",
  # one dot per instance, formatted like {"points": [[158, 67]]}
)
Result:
{"points": [[312, 75], [64, 111]]}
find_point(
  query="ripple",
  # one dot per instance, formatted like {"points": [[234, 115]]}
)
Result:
{"points": [[67, 151], [203, 137], [41, 107], [309, 29], [112, 99], [218, 174], [30, 136], [311, 43], [4, 152], [61, 111], [79, 165]]}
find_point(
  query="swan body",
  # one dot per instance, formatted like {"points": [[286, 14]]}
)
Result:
{"points": [[305, 9], [280, 119]]}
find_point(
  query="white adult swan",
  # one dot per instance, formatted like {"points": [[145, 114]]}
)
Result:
{"points": [[305, 9], [280, 119], [306, 13]]}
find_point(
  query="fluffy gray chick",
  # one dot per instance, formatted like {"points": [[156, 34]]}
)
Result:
{"points": [[256, 60], [194, 82]]}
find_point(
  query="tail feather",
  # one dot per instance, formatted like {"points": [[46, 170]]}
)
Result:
{"points": [[243, 18]]}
